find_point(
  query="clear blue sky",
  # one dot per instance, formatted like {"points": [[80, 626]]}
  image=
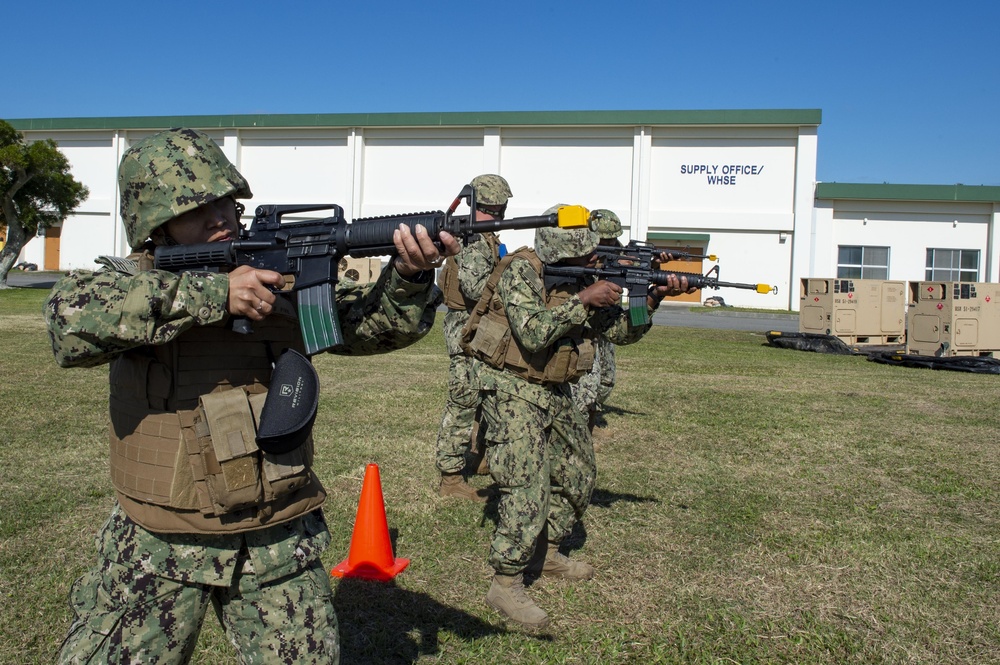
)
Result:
{"points": [[910, 91]]}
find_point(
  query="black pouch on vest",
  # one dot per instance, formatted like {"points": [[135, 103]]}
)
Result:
{"points": [[290, 408]]}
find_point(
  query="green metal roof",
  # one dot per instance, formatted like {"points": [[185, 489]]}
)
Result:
{"points": [[887, 192], [799, 117]]}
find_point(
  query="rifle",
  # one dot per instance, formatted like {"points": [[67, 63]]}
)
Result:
{"points": [[631, 268], [309, 251], [686, 255]]}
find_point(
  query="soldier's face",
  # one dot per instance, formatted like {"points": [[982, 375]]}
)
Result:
{"points": [[212, 222], [488, 213], [588, 261]]}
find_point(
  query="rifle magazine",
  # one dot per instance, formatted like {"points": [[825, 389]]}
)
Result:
{"points": [[318, 319], [638, 310]]}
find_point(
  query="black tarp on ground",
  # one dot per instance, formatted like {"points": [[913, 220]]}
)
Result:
{"points": [[809, 342], [881, 354], [977, 364]]}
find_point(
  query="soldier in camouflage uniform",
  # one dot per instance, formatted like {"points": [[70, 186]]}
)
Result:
{"points": [[203, 518], [461, 282], [594, 388], [535, 338]]}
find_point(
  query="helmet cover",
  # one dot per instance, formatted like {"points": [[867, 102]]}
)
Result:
{"points": [[553, 244], [170, 173]]}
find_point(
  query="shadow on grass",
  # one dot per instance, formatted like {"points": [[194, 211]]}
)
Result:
{"points": [[382, 623], [617, 411], [605, 499]]}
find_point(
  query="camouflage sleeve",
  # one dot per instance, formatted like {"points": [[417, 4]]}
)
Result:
{"points": [[93, 316], [475, 264], [388, 314], [523, 295]]}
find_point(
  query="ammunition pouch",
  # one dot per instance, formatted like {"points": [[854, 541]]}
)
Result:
{"points": [[225, 459], [454, 297], [487, 336]]}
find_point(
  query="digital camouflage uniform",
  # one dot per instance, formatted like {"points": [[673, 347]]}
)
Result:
{"points": [[593, 389], [475, 263], [473, 266], [147, 597], [540, 451]]}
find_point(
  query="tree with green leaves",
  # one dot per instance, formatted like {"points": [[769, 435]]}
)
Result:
{"points": [[36, 191]]}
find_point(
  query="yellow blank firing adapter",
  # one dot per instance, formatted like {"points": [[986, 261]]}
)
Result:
{"points": [[765, 288], [573, 217]]}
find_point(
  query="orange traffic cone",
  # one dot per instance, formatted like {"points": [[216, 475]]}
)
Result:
{"points": [[370, 557]]}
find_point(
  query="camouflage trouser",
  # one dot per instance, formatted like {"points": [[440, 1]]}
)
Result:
{"points": [[609, 368], [455, 434], [127, 615], [593, 389], [542, 457]]}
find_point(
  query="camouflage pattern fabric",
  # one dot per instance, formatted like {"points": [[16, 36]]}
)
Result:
{"points": [[609, 371], [555, 244], [476, 262], [491, 189], [148, 599], [170, 173], [539, 447], [541, 455], [594, 388], [606, 224]]}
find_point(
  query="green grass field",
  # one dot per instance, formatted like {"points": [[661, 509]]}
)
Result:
{"points": [[753, 505]]}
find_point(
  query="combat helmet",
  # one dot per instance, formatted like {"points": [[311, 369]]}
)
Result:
{"points": [[170, 173], [553, 244], [491, 189], [606, 223]]}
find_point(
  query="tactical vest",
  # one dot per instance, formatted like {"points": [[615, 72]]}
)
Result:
{"points": [[183, 415], [487, 334], [454, 298]]}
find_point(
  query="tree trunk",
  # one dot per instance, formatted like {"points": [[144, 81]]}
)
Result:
{"points": [[16, 240]]}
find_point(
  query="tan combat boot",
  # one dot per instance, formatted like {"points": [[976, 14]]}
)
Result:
{"points": [[453, 484], [506, 596], [560, 565]]}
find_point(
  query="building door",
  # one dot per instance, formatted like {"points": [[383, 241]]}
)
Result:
{"points": [[52, 234], [694, 265]]}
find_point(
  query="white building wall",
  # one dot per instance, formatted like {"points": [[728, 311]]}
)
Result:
{"points": [[805, 200], [738, 186], [591, 167], [415, 170], [909, 229]]}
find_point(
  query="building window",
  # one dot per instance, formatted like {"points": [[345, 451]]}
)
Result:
{"points": [[952, 265], [858, 262]]}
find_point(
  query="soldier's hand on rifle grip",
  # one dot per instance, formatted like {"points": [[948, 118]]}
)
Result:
{"points": [[250, 292], [417, 252], [601, 294]]}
